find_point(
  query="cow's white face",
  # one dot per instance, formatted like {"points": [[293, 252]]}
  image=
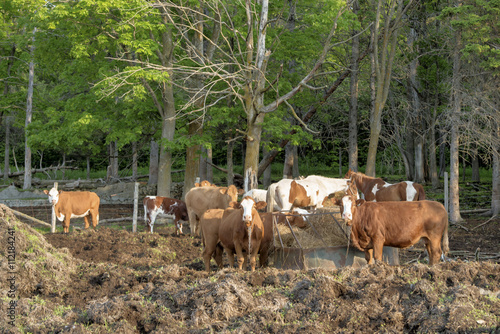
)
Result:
{"points": [[247, 205], [53, 196], [347, 208]]}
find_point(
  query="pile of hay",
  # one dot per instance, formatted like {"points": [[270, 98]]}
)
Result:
{"points": [[35, 266], [329, 233]]}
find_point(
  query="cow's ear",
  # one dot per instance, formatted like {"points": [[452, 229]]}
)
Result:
{"points": [[46, 192], [260, 205], [241, 191], [337, 201], [197, 184], [360, 202], [234, 205]]}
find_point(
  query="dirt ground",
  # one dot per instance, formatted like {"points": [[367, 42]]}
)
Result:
{"points": [[113, 280]]}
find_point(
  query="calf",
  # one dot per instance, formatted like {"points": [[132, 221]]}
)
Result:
{"points": [[241, 229], [174, 208], [200, 199], [396, 224], [74, 204]]}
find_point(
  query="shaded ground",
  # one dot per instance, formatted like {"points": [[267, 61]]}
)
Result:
{"points": [[112, 280]]}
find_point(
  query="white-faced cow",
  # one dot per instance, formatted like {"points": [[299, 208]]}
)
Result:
{"points": [[74, 204], [238, 229], [396, 224], [173, 208], [200, 199]]}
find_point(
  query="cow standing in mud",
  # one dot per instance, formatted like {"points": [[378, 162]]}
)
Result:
{"points": [[74, 204], [174, 208], [396, 224]]}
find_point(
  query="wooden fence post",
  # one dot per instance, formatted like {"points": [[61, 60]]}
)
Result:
{"points": [[53, 225], [136, 202]]}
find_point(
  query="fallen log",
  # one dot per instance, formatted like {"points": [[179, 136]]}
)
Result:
{"points": [[17, 213]]}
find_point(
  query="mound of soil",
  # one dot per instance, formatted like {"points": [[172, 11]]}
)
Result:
{"points": [[117, 281]]}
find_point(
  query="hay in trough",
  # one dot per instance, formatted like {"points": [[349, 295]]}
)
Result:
{"points": [[329, 233]]}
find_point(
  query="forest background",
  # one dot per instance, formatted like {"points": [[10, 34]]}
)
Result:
{"points": [[379, 86]]}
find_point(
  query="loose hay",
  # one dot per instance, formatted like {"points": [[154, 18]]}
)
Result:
{"points": [[329, 233]]}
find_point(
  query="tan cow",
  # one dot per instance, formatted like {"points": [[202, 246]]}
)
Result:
{"points": [[74, 204], [396, 224], [200, 199]]}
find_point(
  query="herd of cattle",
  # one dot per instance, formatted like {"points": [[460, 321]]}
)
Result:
{"points": [[395, 215]]}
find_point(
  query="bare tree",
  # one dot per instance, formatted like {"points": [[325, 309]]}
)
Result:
{"points": [[29, 115], [383, 60]]}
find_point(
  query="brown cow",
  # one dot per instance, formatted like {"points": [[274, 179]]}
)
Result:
{"points": [[174, 208], [236, 225], [74, 204], [377, 190], [210, 223], [396, 224], [200, 199]]}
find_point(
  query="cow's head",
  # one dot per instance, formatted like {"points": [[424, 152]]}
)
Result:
{"points": [[53, 195], [348, 207], [248, 205], [231, 191]]}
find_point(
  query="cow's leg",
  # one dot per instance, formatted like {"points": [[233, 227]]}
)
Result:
{"points": [[66, 224], [207, 254], [239, 254], [178, 226], [369, 256], [230, 257], [434, 250], [253, 255], [86, 219], [218, 255], [94, 214], [263, 256], [378, 247], [193, 222]]}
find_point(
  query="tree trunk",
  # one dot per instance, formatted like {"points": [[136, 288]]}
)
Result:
{"points": [[353, 106], [454, 140], [229, 160], [192, 157], [6, 164], [266, 176], [153, 163], [475, 166], [383, 70], [432, 151], [88, 167], [495, 193], [288, 164], [210, 169], [203, 164], [29, 115]]}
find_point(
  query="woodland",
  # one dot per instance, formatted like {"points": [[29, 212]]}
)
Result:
{"points": [[179, 88]]}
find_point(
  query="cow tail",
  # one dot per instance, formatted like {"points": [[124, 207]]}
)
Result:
{"points": [[444, 241]]}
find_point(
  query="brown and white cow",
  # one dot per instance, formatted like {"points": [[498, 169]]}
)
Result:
{"points": [[74, 204], [240, 230], [174, 208], [311, 191], [377, 190], [396, 224], [200, 199]]}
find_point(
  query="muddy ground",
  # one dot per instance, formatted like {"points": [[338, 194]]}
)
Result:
{"points": [[113, 280]]}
